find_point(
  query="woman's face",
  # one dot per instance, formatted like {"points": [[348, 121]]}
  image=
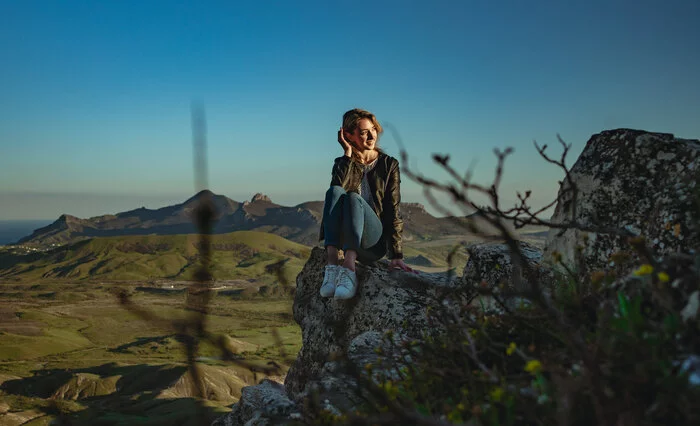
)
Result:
{"points": [[364, 138]]}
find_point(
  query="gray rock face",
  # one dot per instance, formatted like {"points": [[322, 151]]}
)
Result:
{"points": [[262, 404], [386, 300], [490, 266], [629, 179]]}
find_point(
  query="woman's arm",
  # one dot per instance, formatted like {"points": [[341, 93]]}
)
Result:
{"points": [[341, 167], [341, 171], [392, 200]]}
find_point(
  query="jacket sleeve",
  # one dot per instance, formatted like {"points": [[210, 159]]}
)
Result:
{"points": [[392, 199], [340, 173]]}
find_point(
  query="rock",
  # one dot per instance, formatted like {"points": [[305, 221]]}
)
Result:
{"points": [[691, 367], [419, 260], [260, 197], [628, 179], [490, 266], [691, 309], [262, 404], [386, 300]]}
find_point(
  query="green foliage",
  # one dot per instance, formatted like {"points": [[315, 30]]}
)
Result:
{"points": [[600, 353]]}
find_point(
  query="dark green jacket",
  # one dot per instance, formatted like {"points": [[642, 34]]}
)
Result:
{"points": [[384, 181]]}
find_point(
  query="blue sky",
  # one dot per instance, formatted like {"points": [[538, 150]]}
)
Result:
{"points": [[95, 96]]}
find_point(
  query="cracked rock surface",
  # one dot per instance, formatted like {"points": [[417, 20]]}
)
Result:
{"points": [[629, 179]]}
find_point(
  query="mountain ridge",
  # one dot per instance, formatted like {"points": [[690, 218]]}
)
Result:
{"points": [[299, 223]]}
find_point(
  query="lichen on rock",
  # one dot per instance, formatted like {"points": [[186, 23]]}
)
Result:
{"points": [[628, 179]]}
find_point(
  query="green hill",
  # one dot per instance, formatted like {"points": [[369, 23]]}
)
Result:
{"points": [[238, 255]]}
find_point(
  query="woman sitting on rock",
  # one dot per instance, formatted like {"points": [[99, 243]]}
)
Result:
{"points": [[361, 211]]}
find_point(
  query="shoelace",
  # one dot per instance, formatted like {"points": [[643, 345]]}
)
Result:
{"points": [[332, 273], [348, 274]]}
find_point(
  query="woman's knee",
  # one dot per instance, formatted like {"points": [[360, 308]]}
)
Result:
{"points": [[335, 190], [354, 198], [335, 196]]}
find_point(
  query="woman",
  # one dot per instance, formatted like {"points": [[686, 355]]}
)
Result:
{"points": [[361, 211]]}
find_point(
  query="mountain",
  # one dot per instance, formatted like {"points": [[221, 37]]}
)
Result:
{"points": [[299, 223], [237, 255]]}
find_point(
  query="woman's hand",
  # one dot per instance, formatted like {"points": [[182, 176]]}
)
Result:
{"points": [[344, 143], [398, 264]]}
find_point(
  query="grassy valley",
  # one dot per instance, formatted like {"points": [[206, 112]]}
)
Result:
{"points": [[69, 349], [79, 353]]}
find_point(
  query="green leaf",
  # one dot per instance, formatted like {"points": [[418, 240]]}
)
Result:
{"points": [[671, 323], [423, 409], [624, 304]]}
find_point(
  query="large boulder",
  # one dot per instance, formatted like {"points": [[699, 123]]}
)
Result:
{"points": [[641, 182], [263, 404], [491, 267], [385, 301]]}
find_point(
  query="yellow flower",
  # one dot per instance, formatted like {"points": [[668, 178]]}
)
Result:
{"points": [[496, 394], [533, 366], [645, 269], [460, 407], [663, 277], [510, 349], [391, 389]]}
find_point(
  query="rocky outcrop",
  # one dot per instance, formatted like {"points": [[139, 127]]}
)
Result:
{"points": [[260, 197], [628, 180], [490, 266], [260, 405], [419, 260], [386, 300]]}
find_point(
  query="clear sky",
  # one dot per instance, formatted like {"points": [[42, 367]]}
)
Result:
{"points": [[95, 96]]}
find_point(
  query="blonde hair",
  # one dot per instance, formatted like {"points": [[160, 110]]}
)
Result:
{"points": [[351, 120]]}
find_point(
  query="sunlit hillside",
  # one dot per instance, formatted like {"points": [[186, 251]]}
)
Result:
{"points": [[238, 255]]}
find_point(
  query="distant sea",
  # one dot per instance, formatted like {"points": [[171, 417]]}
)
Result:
{"points": [[13, 230]]}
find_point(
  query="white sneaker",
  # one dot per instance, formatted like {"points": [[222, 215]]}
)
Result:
{"points": [[330, 276], [346, 285]]}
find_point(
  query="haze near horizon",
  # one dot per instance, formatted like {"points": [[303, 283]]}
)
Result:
{"points": [[95, 115]]}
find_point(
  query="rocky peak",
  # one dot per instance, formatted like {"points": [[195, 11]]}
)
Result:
{"points": [[413, 206], [205, 193], [66, 218], [260, 197]]}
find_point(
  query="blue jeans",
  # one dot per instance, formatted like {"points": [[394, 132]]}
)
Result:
{"points": [[351, 224]]}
